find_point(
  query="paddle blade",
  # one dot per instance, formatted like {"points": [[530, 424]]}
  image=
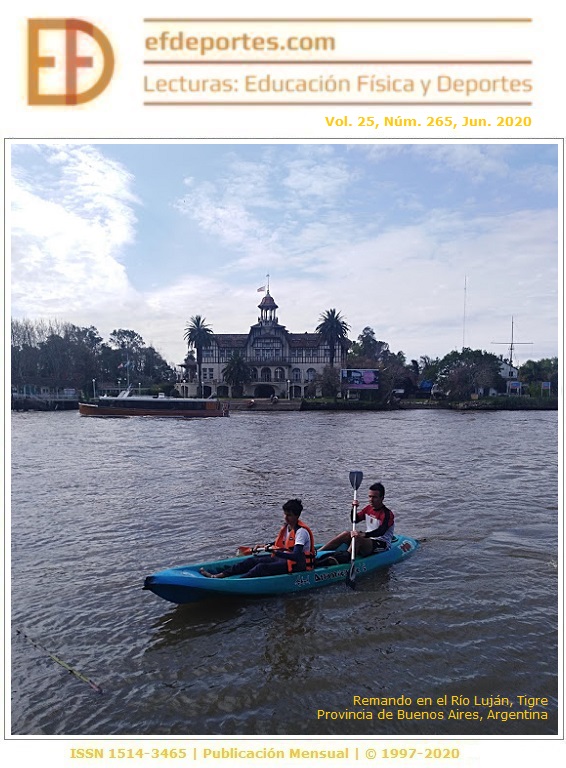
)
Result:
{"points": [[356, 479], [351, 577], [243, 551]]}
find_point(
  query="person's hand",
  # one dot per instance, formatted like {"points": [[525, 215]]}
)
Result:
{"points": [[356, 534], [355, 503]]}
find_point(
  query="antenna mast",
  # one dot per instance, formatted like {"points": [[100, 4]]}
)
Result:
{"points": [[464, 322], [511, 344]]}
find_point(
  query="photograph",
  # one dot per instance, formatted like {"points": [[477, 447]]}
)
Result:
{"points": [[284, 447]]}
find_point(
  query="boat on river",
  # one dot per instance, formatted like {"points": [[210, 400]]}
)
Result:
{"points": [[128, 404], [185, 583]]}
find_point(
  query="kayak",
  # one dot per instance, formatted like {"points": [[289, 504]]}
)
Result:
{"points": [[185, 583]]}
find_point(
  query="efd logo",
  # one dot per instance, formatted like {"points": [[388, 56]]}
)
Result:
{"points": [[55, 66]]}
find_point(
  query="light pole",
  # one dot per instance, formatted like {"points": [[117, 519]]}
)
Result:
{"points": [[94, 387], [139, 388], [288, 389]]}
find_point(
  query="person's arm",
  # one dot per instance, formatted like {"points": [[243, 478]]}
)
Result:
{"points": [[297, 555], [360, 515]]}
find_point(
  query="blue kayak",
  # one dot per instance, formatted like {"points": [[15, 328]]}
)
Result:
{"points": [[185, 583]]}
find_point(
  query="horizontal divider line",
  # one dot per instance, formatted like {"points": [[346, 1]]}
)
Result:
{"points": [[479, 20], [338, 104], [319, 62]]}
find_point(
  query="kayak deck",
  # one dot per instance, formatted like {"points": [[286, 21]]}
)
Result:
{"points": [[185, 583]]}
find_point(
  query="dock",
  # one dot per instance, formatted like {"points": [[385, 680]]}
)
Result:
{"points": [[264, 404], [28, 402]]}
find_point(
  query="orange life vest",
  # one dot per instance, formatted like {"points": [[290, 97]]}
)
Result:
{"points": [[286, 540]]}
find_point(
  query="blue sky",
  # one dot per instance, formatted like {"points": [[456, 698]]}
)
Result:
{"points": [[144, 236]]}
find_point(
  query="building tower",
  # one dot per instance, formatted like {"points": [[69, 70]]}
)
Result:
{"points": [[267, 309]]}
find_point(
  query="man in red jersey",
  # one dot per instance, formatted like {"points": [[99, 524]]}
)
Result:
{"points": [[380, 526]]}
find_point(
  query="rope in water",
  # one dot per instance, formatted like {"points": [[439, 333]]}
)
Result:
{"points": [[64, 664]]}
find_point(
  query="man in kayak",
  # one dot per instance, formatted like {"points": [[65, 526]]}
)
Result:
{"points": [[380, 526], [292, 551]]}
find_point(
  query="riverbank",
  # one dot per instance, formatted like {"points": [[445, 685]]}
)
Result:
{"points": [[43, 403], [266, 405], [485, 404]]}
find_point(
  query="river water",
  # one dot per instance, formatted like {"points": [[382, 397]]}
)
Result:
{"points": [[98, 504]]}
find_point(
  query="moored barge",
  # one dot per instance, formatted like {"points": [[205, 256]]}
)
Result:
{"points": [[126, 404]]}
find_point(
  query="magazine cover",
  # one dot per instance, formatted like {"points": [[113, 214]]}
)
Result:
{"points": [[283, 330]]}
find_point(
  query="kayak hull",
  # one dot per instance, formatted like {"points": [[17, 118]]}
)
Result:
{"points": [[185, 584]]}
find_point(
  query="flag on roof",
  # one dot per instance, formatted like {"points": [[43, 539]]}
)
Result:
{"points": [[262, 289]]}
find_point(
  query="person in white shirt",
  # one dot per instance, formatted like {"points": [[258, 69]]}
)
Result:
{"points": [[292, 551]]}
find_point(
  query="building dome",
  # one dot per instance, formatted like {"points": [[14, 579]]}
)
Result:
{"points": [[267, 309], [267, 302]]}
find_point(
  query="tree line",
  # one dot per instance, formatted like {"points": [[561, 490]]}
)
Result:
{"points": [[457, 375], [58, 354]]}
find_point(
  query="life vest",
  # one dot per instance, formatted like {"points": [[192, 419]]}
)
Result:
{"points": [[286, 540]]}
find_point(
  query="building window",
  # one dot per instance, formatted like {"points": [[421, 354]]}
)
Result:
{"points": [[253, 374], [310, 374], [266, 374], [267, 349], [296, 374], [225, 354], [316, 355], [207, 373], [279, 374]]}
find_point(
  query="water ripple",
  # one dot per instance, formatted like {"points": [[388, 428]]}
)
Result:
{"points": [[98, 504]]}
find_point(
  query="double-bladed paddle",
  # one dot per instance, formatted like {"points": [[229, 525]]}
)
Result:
{"points": [[355, 481]]}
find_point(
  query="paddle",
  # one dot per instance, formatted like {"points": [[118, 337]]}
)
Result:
{"points": [[246, 551], [355, 481]]}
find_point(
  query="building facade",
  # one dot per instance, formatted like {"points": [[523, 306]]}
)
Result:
{"points": [[282, 364], [510, 374]]}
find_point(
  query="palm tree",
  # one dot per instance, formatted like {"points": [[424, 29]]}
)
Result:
{"points": [[237, 373], [333, 329], [198, 335]]}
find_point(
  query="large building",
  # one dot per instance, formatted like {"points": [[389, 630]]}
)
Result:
{"points": [[282, 364]]}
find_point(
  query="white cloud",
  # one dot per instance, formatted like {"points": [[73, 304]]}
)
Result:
{"points": [[60, 260], [293, 212], [476, 161]]}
